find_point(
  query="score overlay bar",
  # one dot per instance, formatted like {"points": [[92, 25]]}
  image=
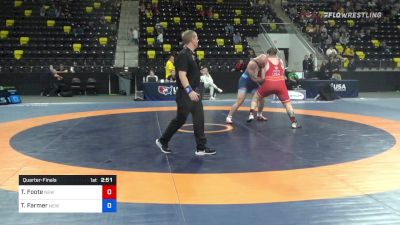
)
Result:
{"points": [[67, 193]]}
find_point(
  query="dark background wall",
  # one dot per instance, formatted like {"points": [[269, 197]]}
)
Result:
{"points": [[33, 83]]}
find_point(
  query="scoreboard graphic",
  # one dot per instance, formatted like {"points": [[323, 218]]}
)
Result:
{"points": [[67, 193]]}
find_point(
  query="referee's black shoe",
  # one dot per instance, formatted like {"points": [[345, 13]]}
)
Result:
{"points": [[205, 151], [163, 147]]}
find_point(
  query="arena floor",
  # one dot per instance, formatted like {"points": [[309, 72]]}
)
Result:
{"points": [[341, 168]]}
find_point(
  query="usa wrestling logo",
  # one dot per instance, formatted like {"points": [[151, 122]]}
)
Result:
{"points": [[167, 90]]}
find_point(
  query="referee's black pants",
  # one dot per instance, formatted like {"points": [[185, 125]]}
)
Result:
{"points": [[186, 106]]}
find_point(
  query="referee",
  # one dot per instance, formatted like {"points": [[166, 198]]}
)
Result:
{"points": [[188, 98]]}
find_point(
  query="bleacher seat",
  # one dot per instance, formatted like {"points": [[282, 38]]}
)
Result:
{"points": [[67, 29], [97, 5], [224, 13], [220, 42], [238, 48], [199, 25], [339, 48], [17, 3], [376, 43], [238, 12], [103, 41], [351, 23], [18, 54], [150, 41], [4, 34], [77, 47], [200, 54], [28, 12], [216, 16], [150, 30], [370, 51], [23, 40], [360, 54], [10, 22], [177, 20], [397, 61], [51, 23], [167, 47], [89, 9], [164, 24], [108, 18], [151, 54]]}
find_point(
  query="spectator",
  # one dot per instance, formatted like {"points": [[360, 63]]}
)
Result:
{"points": [[324, 36], [200, 13], [349, 52], [237, 39], [342, 29], [385, 48], [336, 75], [209, 82], [323, 29], [252, 54], [151, 77], [229, 29], [328, 41], [311, 63], [352, 65], [305, 64], [56, 80], [209, 13], [160, 39], [135, 35], [292, 80], [42, 11], [265, 19], [331, 51], [344, 39], [323, 68], [335, 36], [142, 8], [170, 68], [159, 28], [78, 30], [239, 66], [368, 36]]}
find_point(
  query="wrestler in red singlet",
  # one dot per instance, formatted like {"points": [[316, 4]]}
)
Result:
{"points": [[274, 83]]}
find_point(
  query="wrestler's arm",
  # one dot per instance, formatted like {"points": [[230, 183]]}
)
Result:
{"points": [[252, 70]]}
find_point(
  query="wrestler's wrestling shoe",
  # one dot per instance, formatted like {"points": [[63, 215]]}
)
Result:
{"points": [[295, 125], [260, 117], [251, 118], [229, 120]]}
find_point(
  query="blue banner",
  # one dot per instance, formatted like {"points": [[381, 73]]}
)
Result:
{"points": [[156, 91], [343, 88]]}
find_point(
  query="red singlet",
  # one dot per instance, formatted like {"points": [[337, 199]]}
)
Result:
{"points": [[274, 83]]}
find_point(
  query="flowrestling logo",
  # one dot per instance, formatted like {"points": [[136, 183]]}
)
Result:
{"points": [[352, 15], [167, 90]]}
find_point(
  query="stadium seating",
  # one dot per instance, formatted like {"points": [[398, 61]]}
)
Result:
{"points": [[216, 47], [35, 36], [369, 50]]}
